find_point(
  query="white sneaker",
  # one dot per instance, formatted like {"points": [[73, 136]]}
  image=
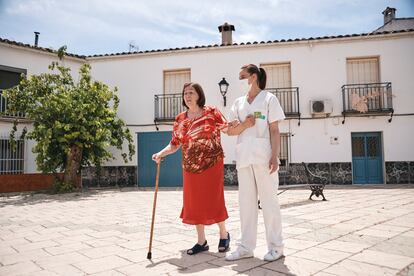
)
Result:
{"points": [[273, 255], [239, 254]]}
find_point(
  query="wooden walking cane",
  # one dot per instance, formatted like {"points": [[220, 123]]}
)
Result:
{"points": [[149, 255]]}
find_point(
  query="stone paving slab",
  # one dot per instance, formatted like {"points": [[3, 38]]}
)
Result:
{"points": [[358, 231]]}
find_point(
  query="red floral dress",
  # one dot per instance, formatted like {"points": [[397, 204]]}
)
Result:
{"points": [[203, 168]]}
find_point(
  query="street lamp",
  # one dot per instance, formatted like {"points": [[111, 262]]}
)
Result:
{"points": [[224, 85]]}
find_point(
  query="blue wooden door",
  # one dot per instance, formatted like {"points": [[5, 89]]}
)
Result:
{"points": [[367, 158], [170, 172]]}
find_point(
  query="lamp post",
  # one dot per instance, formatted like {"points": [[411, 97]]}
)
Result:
{"points": [[224, 85]]}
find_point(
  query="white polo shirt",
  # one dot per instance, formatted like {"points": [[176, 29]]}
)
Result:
{"points": [[253, 144]]}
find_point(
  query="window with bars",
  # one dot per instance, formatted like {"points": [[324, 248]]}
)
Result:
{"points": [[284, 151], [11, 160]]}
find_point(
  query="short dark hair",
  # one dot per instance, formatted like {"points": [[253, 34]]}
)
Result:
{"points": [[197, 87], [260, 73]]}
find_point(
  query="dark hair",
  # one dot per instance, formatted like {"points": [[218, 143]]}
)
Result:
{"points": [[260, 73], [201, 97]]}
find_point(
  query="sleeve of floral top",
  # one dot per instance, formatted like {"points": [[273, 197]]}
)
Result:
{"points": [[221, 122], [175, 138]]}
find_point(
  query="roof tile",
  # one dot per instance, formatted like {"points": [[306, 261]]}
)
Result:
{"points": [[11, 42]]}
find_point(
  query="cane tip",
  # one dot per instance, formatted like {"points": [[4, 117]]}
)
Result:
{"points": [[149, 256]]}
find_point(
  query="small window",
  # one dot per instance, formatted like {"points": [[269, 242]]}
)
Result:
{"points": [[11, 160]]}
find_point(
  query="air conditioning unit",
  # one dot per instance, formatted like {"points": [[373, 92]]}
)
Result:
{"points": [[321, 107]]}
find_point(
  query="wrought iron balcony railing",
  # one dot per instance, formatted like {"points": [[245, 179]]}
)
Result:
{"points": [[367, 98], [167, 106], [3, 109], [288, 98]]}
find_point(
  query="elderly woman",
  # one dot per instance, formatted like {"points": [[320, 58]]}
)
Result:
{"points": [[197, 131]]}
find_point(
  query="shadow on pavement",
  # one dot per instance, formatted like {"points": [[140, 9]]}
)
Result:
{"points": [[203, 262]]}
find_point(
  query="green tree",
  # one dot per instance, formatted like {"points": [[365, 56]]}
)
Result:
{"points": [[74, 123]]}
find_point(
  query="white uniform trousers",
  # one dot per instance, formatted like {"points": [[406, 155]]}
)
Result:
{"points": [[255, 181]]}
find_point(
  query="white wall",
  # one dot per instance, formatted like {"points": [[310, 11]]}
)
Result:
{"points": [[311, 141], [318, 69]]}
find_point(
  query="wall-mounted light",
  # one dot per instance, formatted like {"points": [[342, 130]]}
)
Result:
{"points": [[224, 85]]}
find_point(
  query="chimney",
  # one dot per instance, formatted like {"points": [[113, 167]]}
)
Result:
{"points": [[36, 38], [389, 14], [226, 31]]}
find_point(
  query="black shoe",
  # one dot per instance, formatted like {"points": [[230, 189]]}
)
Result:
{"points": [[197, 248], [224, 244]]}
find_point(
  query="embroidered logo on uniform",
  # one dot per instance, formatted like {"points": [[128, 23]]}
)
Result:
{"points": [[258, 115]]}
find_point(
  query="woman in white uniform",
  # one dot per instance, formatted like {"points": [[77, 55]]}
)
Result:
{"points": [[257, 150]]}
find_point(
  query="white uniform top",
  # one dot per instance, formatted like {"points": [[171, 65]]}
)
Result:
{"points": [[253, 144]]}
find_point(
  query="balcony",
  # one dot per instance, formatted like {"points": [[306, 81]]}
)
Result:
{"points": [[289, 100], [367, 98], [167, 107], [3, 109]]}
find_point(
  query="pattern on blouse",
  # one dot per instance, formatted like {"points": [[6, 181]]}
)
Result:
{"points": [[200, 139]]}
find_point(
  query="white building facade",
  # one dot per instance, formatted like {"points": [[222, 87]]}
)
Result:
{"points": [[320, 82]]}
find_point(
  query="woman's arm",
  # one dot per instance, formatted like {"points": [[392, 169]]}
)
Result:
{"points": [[169, 149], [236, 129], [275, 143]]}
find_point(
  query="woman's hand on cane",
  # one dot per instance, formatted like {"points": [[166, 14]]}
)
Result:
{"points": [[157, 157]]}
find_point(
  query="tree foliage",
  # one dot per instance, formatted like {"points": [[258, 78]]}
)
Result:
{"points": [[74, 122]]}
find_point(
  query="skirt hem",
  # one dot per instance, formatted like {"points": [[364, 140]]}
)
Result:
{"points": [[204, 222]]}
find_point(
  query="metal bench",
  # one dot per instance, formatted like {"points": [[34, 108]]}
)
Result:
{"points": [[316, 189]]}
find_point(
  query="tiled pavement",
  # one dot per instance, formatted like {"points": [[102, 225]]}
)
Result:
{"points": [[358, 231]]}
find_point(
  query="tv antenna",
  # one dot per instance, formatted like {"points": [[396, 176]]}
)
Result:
{"points": [[133, 47]]}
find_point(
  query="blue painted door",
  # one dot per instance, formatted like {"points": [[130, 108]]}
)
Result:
{"points": [[170, 172], [367, 158]]}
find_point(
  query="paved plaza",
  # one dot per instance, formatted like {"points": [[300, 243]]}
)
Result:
{"points": [[358, 231]]}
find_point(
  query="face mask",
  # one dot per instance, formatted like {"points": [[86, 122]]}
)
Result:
{"points": [[245, 86]]}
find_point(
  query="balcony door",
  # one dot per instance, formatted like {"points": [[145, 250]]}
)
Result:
{"points": [[362, 70], [174, 81], [279, 76], [365, 71]]}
